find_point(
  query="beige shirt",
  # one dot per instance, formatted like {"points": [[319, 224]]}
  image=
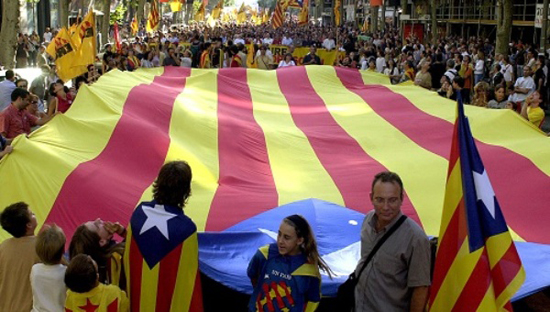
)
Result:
{"points": [[17, 256], [401, 263]]}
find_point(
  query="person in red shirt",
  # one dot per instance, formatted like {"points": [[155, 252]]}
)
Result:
{"points": [[62, 98], [15, 119]]}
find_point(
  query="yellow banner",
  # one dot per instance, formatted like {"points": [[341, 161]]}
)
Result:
{"points": [[86, 49], [63, 50], [327, 57]]}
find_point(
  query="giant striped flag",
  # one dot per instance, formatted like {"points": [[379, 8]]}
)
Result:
{"points": [[261, 139], [477, 266], [161, 260]]}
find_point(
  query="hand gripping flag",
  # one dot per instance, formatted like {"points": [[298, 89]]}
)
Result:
{"points": [[477, 267], [153, 20], [161, 260]]}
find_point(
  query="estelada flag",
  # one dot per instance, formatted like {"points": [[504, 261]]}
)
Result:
{"points": [[477, 266], [62, 49], [161, 260], [153, 20], [87, 49]]}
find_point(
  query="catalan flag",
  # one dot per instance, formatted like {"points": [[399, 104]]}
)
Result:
{"points": [[161, 260], [278, 17], [262, 139], [153, 20], [134, 25], [477, 266]]}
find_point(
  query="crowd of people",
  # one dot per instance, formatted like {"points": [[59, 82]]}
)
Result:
{"points": [[37, 274], [37, 271]]}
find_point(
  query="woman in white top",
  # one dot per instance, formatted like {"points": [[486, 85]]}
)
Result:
{"points": [[287, 61]]}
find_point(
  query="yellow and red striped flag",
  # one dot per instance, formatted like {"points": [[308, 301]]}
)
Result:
{"points": [[278, 17], [153, 20], [261, 139], [477, 265], [134, 25]]}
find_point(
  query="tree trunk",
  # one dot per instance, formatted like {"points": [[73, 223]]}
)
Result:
{"points": [[374, 19], [140, 15], [105, 21], [433, 12], [504, 26], [10, 29], [64, 13]]}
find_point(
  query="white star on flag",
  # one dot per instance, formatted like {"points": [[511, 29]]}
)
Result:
{"points": [[157, 217], [484, 191]]}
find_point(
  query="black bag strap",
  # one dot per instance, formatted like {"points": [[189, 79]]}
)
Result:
{"points": [[381, 242]]}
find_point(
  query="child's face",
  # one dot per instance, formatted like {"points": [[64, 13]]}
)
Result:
{"points": [[288, 241]]}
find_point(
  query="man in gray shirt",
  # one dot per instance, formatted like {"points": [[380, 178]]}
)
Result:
{"points": [[398, 276]]}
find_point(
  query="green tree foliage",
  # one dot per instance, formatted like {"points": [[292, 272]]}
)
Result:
{"points": [[118, 15]]}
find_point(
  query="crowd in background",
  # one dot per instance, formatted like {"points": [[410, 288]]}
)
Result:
{"points": [[454, 67]]}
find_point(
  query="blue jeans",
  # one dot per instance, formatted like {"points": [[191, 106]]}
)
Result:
{"points": [[477, 78]]}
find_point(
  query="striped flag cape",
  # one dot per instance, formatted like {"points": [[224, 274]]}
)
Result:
{"points": [[477, 266], [278, 17], [303, 16], [161, 260], [261, 139], [337, 17]]}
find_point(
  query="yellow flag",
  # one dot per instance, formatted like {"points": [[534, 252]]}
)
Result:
{"points": [[241, 17], [134, 25], [217, 11], [199, 16], [86, 51], [74, 35], [64, 53], [176, 5], [265, 17], [226, 17], [337, 12]]}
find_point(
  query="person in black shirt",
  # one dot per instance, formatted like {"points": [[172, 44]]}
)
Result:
{"points": [[311, 58]]}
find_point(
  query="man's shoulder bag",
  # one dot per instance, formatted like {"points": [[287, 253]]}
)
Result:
{"points": [[346, 292]]}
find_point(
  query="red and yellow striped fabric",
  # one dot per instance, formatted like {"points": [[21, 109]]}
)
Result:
{"points": [[260, 139], [278, 17]]}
